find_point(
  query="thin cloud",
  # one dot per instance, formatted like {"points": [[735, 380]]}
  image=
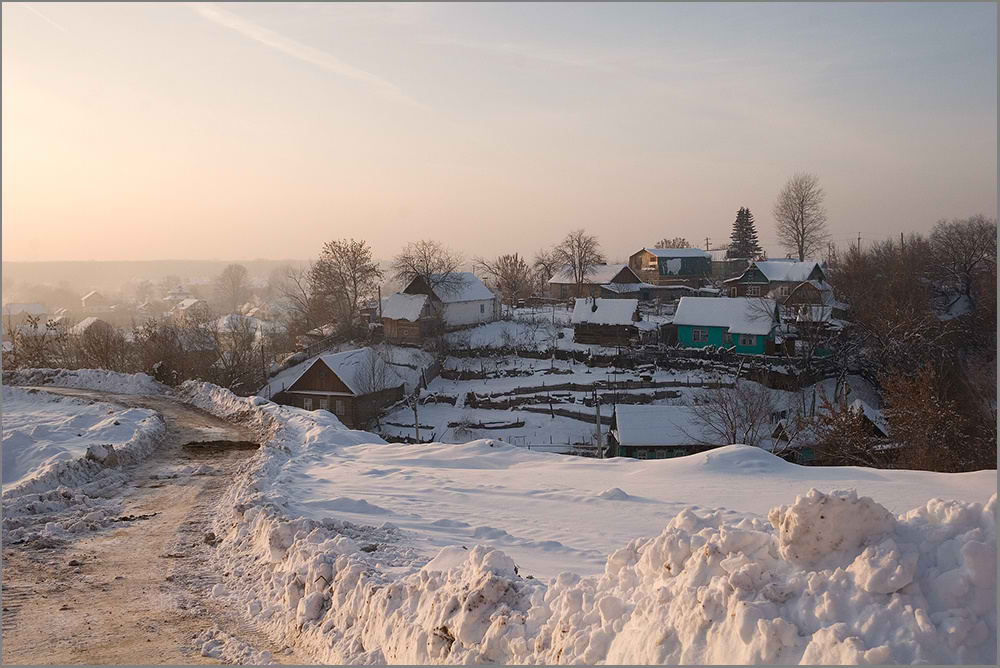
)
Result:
{"points": [[302, 52], [43, 17]]}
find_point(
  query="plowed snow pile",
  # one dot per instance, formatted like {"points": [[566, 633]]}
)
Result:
{"points": [[830, 578]]}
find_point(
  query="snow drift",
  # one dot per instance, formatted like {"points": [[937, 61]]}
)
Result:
{"points": [[66, 458], [87, 379], [831, 578]]}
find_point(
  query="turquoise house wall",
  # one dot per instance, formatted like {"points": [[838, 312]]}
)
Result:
{"points": [[686, 339]]}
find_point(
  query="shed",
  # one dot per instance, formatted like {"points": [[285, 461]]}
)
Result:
{"points": [[606, 322], [563, 285], [655, 432]]}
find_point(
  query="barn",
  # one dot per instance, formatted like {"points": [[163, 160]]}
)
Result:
{"points": [[606, 322]]}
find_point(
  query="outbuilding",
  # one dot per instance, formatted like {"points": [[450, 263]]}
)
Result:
{"points": [[741, 324], [606, 322]]}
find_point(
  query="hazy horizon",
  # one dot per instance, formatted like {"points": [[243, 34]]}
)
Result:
{"points": [[261, 131]]}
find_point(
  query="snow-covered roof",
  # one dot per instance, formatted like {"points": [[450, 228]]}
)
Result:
{"points": [[84, 325], [18, 309], [785, 270], [92, 293], [678, 252], [656, 425], [345, 364], [186, 304], [625, 288], [742, 315], [604, 311], [463, 286], [600, 274], [873, 414], [402, 306]]}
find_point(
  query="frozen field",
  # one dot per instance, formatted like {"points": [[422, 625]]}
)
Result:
{"points": [[40, 430]]}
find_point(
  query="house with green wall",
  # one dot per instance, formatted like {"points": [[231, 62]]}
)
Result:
{"points": [[744, 324]]}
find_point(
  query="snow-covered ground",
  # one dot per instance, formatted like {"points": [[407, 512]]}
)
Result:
{"points": [[540, 558], [41, 430]]}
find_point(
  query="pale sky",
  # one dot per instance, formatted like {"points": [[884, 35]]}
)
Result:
{"points": [[238, 131]]}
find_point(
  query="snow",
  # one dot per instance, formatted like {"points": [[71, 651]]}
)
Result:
{"points": [[785, 271], [604, 311], [466, 287], [83, 325], [41, 430], [402, 306], [88, 379], [657, 425], [18, 309], [830, 577], [678, 252], [742, 315], [404, 367]]}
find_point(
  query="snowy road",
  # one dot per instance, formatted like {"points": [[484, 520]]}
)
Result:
{"points": [[138, 592]]}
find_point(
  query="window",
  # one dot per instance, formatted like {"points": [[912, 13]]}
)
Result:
{"points": [[783, 291], [640, 454], [307, 403], [727, 338], [748, 340], [482, 308], [324, 404], [340, 407], [734, 291], [753, 291], [699, 335]]}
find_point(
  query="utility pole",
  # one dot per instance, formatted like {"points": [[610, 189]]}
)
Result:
{"points": [[416, 418], [597, 419], [900, 243], [859, 242], [706, 243]]}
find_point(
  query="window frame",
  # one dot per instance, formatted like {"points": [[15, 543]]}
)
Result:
{"points": [[340, 407], [748, 340], [753, 291], [307, 403], [699, 335]]}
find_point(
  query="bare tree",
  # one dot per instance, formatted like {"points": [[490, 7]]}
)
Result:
{"points": [[168, 283], [800, 216], [240, 365], [102, 346], [741, 414], [375, 374], [964, 249], [676, 242], [144, 291], [232, 287], [578, 254], [430, 260], [343, 278], [546, 264], [294, 298], [840, 435], [509, 275]]}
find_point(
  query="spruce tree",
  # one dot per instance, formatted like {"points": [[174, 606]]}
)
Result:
{"points": [[743, 242]]}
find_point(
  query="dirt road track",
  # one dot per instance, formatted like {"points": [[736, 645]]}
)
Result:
{"points": [[140, 593]]}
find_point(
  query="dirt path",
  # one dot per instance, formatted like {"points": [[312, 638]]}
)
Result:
{"points": [[137, 594]]}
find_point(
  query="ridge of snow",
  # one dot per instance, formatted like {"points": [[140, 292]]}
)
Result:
{"points": [[831, 578]]}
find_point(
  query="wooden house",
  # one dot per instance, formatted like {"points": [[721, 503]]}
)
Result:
{"points": [[425, 307], [606, 322], [190, 310], [672, 266], [95, 302], [408, 319], [815, 293], [773, 278], [741, 324], [350, 384], [562, 286], [655, 432]]}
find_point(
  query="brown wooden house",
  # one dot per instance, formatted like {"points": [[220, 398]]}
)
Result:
{"points": [[353, 385], [672, 266]]}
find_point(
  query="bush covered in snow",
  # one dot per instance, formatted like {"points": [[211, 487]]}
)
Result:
{"points": [[832, 578]]}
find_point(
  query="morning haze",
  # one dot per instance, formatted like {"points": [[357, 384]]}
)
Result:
{"points": [[241, 131]]}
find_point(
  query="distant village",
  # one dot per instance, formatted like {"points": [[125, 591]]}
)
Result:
{"points": [[676, 350]]}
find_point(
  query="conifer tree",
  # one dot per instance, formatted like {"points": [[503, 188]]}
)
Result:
{"points": [[743, 242]]}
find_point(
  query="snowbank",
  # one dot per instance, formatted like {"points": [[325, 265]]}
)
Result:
{"points": [[63, 460], [832, 578], [88, 379]]}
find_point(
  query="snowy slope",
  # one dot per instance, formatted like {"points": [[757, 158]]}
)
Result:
{"points": [[827, 578]]}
